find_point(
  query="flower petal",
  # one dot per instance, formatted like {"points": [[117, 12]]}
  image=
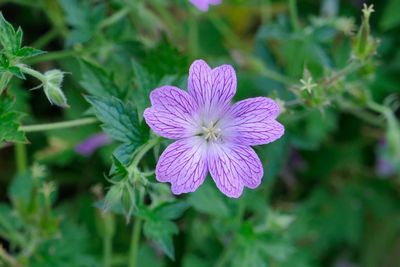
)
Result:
{"points": [[211, 88], [203, 4], [171, 114], [234, 166], [253, 122], [183, 164]]}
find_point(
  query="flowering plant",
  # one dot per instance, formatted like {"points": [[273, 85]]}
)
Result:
{"points": [[113, 154]]}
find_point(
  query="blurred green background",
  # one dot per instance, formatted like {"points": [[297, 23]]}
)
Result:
{"points": [[331, 191]]}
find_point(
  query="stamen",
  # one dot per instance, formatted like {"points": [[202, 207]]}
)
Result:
{"points": [[211, 132]]}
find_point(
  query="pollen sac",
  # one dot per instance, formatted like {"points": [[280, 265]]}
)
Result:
{"points": [[52, 88]]}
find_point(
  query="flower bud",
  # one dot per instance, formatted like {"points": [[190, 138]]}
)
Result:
{"points": [[52, 88], [364, 44]]}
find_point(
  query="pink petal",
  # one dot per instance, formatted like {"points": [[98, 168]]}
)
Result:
{"points": [[183, 164], [253, 122], [171, 114], [233, 166], [203, 4], [213, 89]]}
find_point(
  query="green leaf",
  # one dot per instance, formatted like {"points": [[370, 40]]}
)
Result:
{"points": [[26, 52], [4, 62], [97, 81], [208, 200], [143, 85], [171, 211], [83, 19], [161, 232], [9, 121], [120, 169], [17, 72], [20, 191], [7, 34], [121, 123]]}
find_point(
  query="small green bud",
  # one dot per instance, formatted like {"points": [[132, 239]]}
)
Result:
{"points": [[52, 88], [364, 44]]}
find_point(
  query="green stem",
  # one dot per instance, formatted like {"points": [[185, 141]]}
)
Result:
{"points": [[58, 125], [134, 246], [293, 15], [57, 55], [34, 73], [107, 251], [141, 152], [137, 227], [21, 158], [114, 18]]}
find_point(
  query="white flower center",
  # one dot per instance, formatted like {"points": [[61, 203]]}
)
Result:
{"points": [[211, 132]]}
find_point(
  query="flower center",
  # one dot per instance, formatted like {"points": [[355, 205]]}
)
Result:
{"points": [[211, 132]]}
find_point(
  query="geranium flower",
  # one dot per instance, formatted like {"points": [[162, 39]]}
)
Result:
{"points": [[203, 4], [212, 135]]}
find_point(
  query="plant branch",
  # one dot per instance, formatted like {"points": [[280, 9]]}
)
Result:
{"points": [[137, 228], [8, 258], [58, 125]]}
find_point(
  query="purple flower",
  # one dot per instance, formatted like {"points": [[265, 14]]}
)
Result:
{"points": [[203, 4], [91, 144], [212, 135]]}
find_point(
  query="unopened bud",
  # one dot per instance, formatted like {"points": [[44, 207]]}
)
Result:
{"points": [[364, 44], [52, 88]]}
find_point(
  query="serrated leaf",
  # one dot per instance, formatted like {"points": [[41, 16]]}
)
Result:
{"points": [[7, 34], [143, 86], [97, 81], [161, 232], [26, 52], [121, 123], [9, 121], [83, 18]]}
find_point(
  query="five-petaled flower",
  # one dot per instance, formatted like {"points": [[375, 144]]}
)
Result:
{"points": [[203, 4], [212, 135]]}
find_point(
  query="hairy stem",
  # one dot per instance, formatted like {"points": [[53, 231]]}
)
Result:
{"points": [[58, 125], [34, 73], [107, 251], [21, 158], [141, 152], [137, 228]]}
